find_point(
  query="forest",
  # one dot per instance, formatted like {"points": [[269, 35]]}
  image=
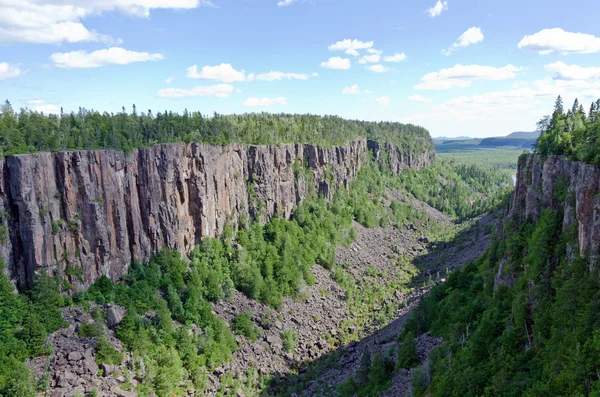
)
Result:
{"points": [[572, 133], [27, 131], [523, 319], [171, 296]]}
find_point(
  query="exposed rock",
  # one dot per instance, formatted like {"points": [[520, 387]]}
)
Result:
{"points": [[100, 210], [114, 316], [556, 182]]}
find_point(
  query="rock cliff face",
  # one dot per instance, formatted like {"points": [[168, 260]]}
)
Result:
{"points": [[555, 183], [85, 214]]}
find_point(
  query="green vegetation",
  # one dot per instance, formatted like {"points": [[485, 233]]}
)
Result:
{"points": [[243, 325], [462, 191], [520, 321], [169, 327], [373, 377], [290, 340], [25, 320], [574, 133], [27, 131]]}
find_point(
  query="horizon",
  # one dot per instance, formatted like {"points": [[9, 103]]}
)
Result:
{"points": [[455, 67]]}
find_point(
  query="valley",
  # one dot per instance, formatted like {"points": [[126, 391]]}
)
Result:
{"points": [[295, 270]]}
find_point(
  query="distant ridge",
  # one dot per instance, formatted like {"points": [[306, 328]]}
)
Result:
{"points": [[516, 140]]}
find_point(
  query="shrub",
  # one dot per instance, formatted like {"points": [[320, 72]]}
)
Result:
{"points": [[290, 340], [90, 330], [243, 325]]}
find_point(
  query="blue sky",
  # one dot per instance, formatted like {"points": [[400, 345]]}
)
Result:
{"points": [[457, 67]]}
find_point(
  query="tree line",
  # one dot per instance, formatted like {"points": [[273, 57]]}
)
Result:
{"points": [[27, 131], [572, 132]]}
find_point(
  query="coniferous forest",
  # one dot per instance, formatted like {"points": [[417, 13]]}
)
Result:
{"points": [[26, 131]]}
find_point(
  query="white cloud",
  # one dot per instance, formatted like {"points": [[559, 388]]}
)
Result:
{"points": [[218, 91], [351, 90], [472, 35], [395, 58], [374, 51], [373, 58], [418, 99], [437, 9], [594, 94], [285, 3], [8, 71], [548, 41], [265, 101], [58, 21], [35, 101], [109, 56], [353, 52], [368, 92], [272, 76], [337, 63], [383, 100], [223, 72], [377, 68], [461, 76], [47, 109], [562, 71], [348, 44], [169, 80]]}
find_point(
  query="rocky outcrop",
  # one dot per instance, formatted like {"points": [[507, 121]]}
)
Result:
{"points": [[396, 160], [556, 183], [84, 214]]}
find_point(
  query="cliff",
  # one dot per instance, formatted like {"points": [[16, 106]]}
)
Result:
{"points": [[84, 214], [558, 183]]}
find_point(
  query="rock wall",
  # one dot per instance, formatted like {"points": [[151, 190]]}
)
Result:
{"points": [[556, 182], [84, 214], [397, 160]]}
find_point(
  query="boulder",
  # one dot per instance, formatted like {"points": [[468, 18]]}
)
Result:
{"points": [[114, 316]]}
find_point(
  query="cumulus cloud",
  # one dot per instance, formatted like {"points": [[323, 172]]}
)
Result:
{"points": [[352, 90], [557, 40], [8, 71], [108, 56], [418, 99], [373, 58], [472, 35], [169, 80], [562, 71], [218, 91], [265, 101], [272, 76], [461, 76], [395, 58], [58, 21], [383, 100], [285, 3], [351, 47], [223, 72], [377, 68], [337, 63], [47, 109], [437, 9]]}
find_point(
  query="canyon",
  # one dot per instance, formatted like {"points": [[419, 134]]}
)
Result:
{"points": [[84, 214]]}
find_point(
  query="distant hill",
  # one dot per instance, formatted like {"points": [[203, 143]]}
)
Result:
{"points": [[444, 138], [519, 139], [524, 135]]}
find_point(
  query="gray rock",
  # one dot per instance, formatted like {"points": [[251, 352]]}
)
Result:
{"points": [[107, 369], [114, 316], [75, 356]]}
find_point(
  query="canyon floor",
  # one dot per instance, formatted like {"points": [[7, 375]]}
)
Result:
{"points": [[332, 325]]}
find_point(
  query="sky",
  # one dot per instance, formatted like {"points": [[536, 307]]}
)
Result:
{"points": [[457, 67]]}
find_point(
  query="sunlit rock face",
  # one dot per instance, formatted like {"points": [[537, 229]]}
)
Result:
{"points": [[84, 214]]}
